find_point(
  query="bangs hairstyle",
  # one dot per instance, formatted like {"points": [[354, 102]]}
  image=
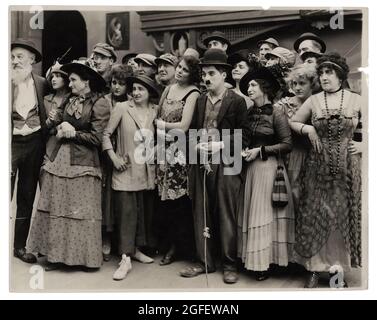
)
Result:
{"points": [[303, 72], [194, 69], [120, 72], [335, 62]]}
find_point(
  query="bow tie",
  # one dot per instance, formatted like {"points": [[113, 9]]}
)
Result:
{"points": [[266, 109], [75, 106]]}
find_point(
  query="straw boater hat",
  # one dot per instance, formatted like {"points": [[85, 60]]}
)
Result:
{"points": [[28, 45], [145, 81], [261, 73], [309, 36], [82, 66]]}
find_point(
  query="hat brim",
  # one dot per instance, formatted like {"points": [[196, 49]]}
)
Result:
{"points": [[145, 61], [209, 38], [310, 37], [236, 57], [105, 53], [38, 56], [262, 74], [218, 64], [74, 67], [309, 54], [153, 91], [160, 60], [128, 57]]}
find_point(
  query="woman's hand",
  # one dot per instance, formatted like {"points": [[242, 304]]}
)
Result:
{"points": [[314, 139], [252, 154], [52, 114], [119, 163], [355, 147]]}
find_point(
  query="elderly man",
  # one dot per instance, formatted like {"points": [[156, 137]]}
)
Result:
{"points": [[28, 137], [166, 65], [104, 57], [266, 46]]}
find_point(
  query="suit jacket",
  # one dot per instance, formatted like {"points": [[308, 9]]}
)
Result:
{"points": [[232, 115], [42, 89], [89, 130]]}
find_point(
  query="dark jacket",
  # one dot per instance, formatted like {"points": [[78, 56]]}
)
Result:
{"points": [[89, 128], [232, 115]]}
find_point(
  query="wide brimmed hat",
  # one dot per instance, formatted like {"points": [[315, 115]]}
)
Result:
{"points": [[216, 35], [167, 58], [242, 55], [28, 45], [287, 56], [147, 58], [309, 54], [309, 36], [261, 73], [106, 50], [145, 81], [215, 57], [128, 56], [83, 66], [272, 41]]}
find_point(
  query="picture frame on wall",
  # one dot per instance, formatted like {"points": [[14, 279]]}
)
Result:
{"points": [[118, 30]]}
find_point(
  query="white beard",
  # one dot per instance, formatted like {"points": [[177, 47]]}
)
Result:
{"points": [[20, 75]]}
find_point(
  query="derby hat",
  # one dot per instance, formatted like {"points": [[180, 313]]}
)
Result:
{"points": [[309, 36], [215, 57], [261, 73], [28, 45], [145, 81], [216, 35]]}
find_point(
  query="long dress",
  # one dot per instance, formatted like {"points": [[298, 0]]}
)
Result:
{"points": [[328, 219], [67, 224], [301, 145], [267, 231]]}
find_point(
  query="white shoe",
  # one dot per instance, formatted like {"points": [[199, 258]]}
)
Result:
{"points": [[124, 267], [141, 257]]}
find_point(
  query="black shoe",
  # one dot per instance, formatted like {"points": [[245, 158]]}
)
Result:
{"points": [[312, 281], [167, 259], [230, 277], [24, 256], [53, 266], [261, 275]]}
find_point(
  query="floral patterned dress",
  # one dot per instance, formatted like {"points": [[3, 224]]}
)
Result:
{"points": [[172, 173], [328, 219]]}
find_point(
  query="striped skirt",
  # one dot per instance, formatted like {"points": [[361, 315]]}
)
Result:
{"points": [[267, 233]]}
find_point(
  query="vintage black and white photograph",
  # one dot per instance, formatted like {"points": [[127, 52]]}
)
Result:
{"points": [[188, 149]]}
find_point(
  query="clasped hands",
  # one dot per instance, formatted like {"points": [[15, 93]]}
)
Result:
{"points": [[65, 130]]}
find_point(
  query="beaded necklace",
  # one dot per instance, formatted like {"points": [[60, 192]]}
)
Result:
{"points": [[335, 170]]}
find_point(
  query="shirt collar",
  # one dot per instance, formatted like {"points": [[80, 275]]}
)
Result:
{"points": [[218, 98]]}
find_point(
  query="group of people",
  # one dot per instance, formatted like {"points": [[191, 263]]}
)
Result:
{"points": [[289, 117]]}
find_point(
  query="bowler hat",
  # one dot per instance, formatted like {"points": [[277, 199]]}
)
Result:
{"points": [[28, 45], [216, 35], [106, 50], [272, 41], [261, 73], [215, 57], [145, 81], [83, 67], [309, 36]]}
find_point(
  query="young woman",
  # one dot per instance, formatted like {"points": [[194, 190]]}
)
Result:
{"points": [[177, 105], [133, 178]]}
